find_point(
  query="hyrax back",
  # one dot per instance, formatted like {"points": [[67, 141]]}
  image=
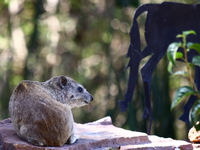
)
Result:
{"points": [[41, 111]]}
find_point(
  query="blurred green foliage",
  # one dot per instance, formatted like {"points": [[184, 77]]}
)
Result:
{"points": [[86, 40], [191, 88]]}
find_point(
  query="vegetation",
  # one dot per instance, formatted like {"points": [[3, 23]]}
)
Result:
{"points": [[86, 40], [191, 89]]}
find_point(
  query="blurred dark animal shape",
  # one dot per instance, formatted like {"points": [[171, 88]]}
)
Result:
{"points": [[163, 22]]}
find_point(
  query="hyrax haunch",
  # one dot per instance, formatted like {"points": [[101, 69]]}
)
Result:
{"points": [[41, 111]]}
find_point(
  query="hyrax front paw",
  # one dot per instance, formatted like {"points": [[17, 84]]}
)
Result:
{"points": [[72, 139], [34, 142]]}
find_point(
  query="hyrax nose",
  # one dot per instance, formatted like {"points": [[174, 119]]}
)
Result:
{"points": [[91, 98]]}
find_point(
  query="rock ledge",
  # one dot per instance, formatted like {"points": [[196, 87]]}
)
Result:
{"points": [[98, 135]]}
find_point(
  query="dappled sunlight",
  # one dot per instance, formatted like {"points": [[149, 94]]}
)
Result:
{"points": [[19, 47]]}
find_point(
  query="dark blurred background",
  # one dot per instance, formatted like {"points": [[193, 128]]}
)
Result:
{"points": [[86, 40]]}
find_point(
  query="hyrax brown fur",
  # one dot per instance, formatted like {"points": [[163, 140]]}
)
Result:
{"points": [[41, 111]]}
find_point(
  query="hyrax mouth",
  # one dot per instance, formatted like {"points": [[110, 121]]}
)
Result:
{"points": [[86, 102]]}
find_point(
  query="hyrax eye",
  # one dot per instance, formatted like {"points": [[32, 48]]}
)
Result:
{"points": [[80, 89]]}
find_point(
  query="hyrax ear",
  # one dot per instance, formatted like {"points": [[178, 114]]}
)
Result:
{"points": [[62, 81]]}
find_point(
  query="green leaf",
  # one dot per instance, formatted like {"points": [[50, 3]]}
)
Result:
{"points": [[179, 36], [189, 44], [180, 73], [186, 33], [179, 55], [196, 60], [169, 68], [195, 115], [171, 51], [195, 46], [181, 93]]}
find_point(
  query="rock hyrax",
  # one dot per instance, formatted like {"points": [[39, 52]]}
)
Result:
{"points": [[41, 111]]}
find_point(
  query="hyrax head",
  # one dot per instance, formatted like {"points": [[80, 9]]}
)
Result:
{"points": [[69, 92]]}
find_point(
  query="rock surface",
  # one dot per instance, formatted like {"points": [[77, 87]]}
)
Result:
{"points": [[98, 135]]}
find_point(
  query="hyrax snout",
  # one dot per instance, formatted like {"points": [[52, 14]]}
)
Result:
{"points": [[41, 111]]}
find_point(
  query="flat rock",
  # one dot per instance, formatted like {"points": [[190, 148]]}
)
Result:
{"points": [[93, 135], [98, 135], [158, 143]]}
